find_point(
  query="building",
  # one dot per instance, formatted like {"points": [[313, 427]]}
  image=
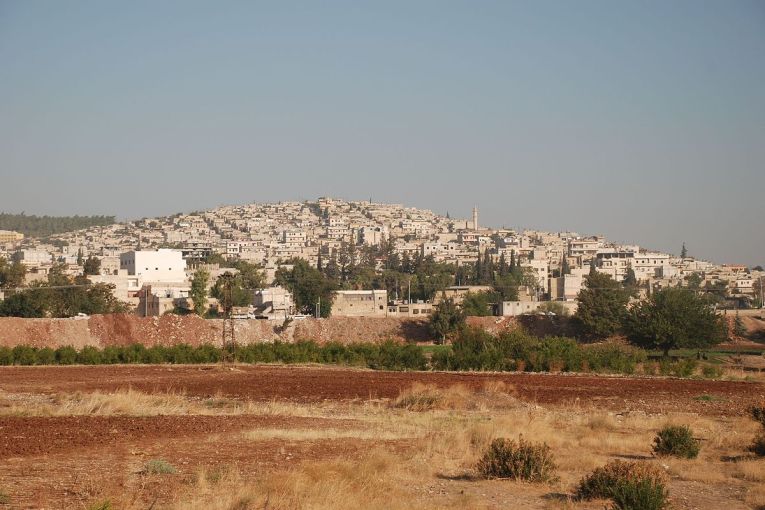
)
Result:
{"points": [[155, 302], [458, 292], [417, 309], [161, 266], [9, 236], [360, 303], [273, 302], [515, 308], [33, 257]]}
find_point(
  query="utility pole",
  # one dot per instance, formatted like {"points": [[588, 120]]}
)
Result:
{"points": [[227, 303]]}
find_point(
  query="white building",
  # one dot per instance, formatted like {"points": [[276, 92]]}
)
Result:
{"points": [[161, 266]]}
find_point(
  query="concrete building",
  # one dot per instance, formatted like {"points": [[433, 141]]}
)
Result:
{"points": [[458, 292], [515, 308], [360, 303], [153, 302], [9, 236], [32, 257], [161, 266], [410, 309], [566, 287], [273, 302]]}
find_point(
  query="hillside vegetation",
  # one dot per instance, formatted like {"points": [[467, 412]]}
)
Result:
{"points": [[42, 226]]}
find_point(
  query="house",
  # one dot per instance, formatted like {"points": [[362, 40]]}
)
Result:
{"points": [[458, 292], [160, 266], [360, 303]]}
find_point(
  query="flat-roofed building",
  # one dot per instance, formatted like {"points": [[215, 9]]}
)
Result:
{"points": [[360, 303]]}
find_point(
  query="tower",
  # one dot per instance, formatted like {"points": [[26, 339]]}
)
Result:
{"points": [[475, 218]]}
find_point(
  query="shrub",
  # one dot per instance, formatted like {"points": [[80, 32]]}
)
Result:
{"points": [[631, 485], [758, 445], [6, 356], [419, 397], [24, 355], [159, 467], [712, 371], [46, 356], [676, 441], [5, 499], [89, 355], [66, 355], [684, 368], [613, 358], [519, 460], [758, 413]]}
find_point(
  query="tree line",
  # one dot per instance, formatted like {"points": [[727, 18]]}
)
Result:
{"points": [[43, 226]]}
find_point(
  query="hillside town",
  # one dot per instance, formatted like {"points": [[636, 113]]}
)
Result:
{"points": [[149, 264]]}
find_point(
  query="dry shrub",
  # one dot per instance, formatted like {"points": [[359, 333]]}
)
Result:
{"points": [[750, 470], [676, 441], [758, 413], [631, 485], [758, 445], [521, 460], [427, 397]]}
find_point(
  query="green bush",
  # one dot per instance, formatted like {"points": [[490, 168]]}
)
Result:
{"points": [[521, 460], [684, 368], [6, 356], [630, 485], [711, 371], [676, 441], [24, 355], [613, 358], [46, 356], [66, 355], [89, 355], [5, 499]]}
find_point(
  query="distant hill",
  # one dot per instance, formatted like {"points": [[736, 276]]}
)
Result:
{"points": [[43, 226]]}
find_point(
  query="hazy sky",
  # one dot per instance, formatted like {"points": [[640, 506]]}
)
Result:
{"points": [[640, 120]]}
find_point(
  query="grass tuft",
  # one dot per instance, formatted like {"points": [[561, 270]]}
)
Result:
{"points": [[159, 467]]}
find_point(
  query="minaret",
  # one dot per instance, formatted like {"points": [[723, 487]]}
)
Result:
{"points": [[475, 218]]}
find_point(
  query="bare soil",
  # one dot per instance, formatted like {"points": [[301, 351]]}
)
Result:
{"points": [[71, 461], [316, 384]]}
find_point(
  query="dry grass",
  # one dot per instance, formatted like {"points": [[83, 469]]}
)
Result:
{"points": [[426, 397], [378, 481], [441, 433]]}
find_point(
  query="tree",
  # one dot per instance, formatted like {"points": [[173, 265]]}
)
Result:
{"points": [[602, 305], [79, 256], [479, 304], [739, 328], [92, 266], [308, 286], [630, 280], [674, 318], [683, 252], [198, 292], [11, 275], [446, 319]]}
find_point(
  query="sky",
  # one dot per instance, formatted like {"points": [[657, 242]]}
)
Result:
{"points": [[643, 121]]}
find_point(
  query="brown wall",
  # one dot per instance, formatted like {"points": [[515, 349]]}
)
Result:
{"points": [[124, 329]]}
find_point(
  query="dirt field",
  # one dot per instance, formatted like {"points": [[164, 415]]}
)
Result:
{"points": [[292, 437]]}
